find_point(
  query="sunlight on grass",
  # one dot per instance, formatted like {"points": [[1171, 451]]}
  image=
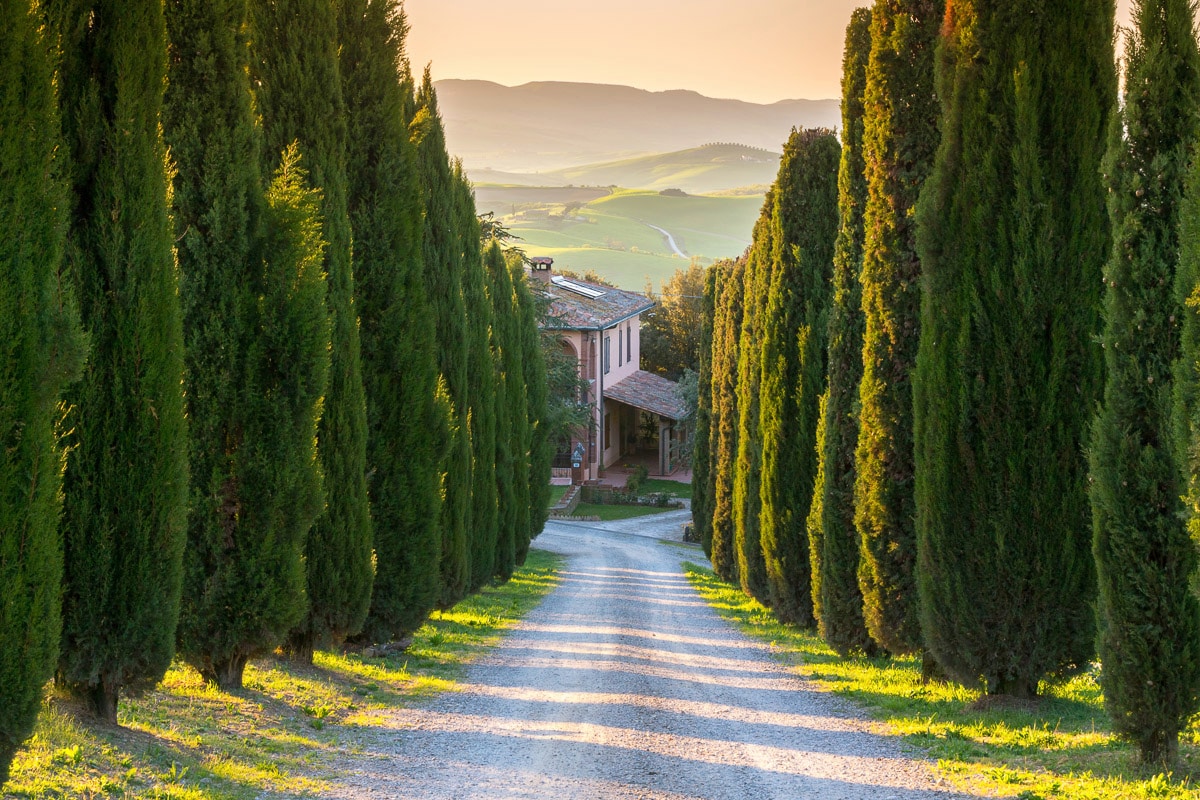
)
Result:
{"points": [[282, 733], [1061, 748]]}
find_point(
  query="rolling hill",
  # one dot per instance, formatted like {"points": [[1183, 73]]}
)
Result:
{"points": [[710, 168], [547, 126]]}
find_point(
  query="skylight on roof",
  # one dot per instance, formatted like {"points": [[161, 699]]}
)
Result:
{"points": [[577, 288]]}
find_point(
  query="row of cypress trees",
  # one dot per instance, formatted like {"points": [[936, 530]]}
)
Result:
{"points": [[953, 512], [256, 390]]}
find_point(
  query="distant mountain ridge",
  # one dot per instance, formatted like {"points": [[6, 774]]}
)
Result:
{"points": [[547, 126], [710, 168]]}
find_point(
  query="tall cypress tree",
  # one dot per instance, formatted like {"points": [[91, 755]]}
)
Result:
{"points": [[43, 351], [257, 334], [482, 388], [747, 496], [405, 426], [899, 141], [1012, 235], [701, 457], [125, 507], [298, 90], [1149, 620], [535, 447], [443, 282], [833, 538], [511, 459], [727, 326], [795, 326]]}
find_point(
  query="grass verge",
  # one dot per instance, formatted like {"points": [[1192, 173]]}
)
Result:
{"points": [[283, 734], [556, 494], [1062, 747], [609, 512], [659, 485]]}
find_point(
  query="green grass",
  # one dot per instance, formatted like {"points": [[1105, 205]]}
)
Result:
{"points": [[608, 512], [1061, 747], [659, 485], [556, 494], [285, 732]]}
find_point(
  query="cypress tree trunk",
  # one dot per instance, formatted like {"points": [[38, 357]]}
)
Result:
{"points": [[510, 409], [833, 538], [1149, 620], [1012, 236], [727, 326], [125, 490], [900, 137], [257, 336], [702, 468], [43, 351], [299, 94], [444, 285], [482, 389], [795, 326], [747, 496], [406, 429], [536, 446]]}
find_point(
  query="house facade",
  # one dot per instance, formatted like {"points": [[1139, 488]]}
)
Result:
{"points": [[633, 412]]}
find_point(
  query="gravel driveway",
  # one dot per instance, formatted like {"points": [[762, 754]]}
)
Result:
{"points": [[624, 684]]}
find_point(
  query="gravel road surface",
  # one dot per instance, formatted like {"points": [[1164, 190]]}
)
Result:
{"points": [[624, 684]]}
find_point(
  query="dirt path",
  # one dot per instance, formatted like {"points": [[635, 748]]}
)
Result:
{"points": [[624, 684]]}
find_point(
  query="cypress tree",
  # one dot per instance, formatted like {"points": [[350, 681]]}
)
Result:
{"points": [[405, 426], [43, 351], [701, 466], [125, 492], [256, 334], [482, 388], [833, 538], [747, 497], [1149, 620], [727, 326], [535, 448], [444, 288], [900, 137], [1012, 235], [795, 326], [510, 409], [298, 91]]}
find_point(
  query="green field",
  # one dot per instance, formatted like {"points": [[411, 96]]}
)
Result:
{"points": [[611, 233]]}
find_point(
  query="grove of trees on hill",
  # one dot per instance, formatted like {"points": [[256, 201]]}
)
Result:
{"points": [[230, 264]]}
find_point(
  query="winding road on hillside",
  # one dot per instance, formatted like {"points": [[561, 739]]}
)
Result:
{"points": [[625, 684], [670, 239]]}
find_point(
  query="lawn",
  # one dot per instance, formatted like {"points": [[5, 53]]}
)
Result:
{"points": [[659, 485], [1062, 747], [608, 512], [556, 494], [284, 733]]}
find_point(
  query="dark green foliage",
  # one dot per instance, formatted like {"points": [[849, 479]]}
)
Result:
{"points": [[43, 351], [833, 538], [538, 437], [511, 460], [900, 137], [406, 429], [671, 332], [794, 331], [298, 89], [727, 326], [1149, 620], [481, 393], [443, 283], [702, 468], [257, 335], [125, 507], [747, 502], [1012, 235]]}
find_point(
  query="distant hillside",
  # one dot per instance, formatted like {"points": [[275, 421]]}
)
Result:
{"points": [[550, 126], [711, 168]]}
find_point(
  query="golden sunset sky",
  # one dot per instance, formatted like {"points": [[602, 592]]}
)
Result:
{"points": [[756, 50]]}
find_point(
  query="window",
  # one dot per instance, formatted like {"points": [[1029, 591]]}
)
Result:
{"points": [[607, 354], [608, 431], [629, 342], [620, 359]]}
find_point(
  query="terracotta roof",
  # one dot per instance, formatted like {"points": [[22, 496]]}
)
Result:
{"points": [[649, 392], [593, 308]]}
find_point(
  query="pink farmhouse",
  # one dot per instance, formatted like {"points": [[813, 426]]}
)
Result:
{"points": [[634, 413]]}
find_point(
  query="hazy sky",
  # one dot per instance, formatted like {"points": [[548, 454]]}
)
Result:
{"points": [[756, 50]]}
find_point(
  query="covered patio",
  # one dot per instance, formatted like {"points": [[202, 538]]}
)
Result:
{"points": [[649, 409]]}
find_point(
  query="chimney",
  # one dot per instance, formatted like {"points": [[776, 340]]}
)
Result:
{"points": [[541, 268]]}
